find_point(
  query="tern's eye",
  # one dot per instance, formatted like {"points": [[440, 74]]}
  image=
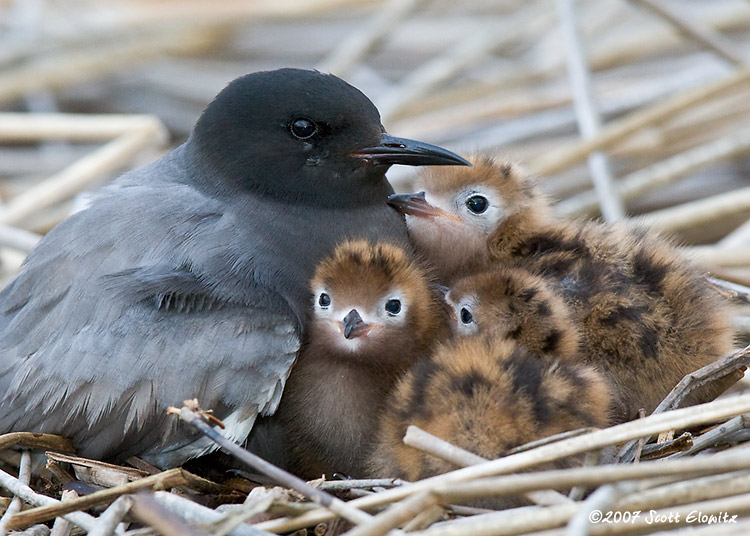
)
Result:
{"points": [[393, 307], [303, 129], [466, 316], [477, 204], [324, 300]]}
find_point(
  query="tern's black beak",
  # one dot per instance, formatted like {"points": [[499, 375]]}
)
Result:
{"points": [[392, 150], [416, 205], [354, 326]]}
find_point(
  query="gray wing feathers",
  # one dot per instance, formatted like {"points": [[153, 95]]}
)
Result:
{"points": [[95, 334]]}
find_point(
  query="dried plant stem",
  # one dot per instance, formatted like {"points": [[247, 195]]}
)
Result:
{"points": [[28, 495], [588, 476], [191, 414], [343, 485], [698, 213], [662, 173], [32, 440], [165, 480], [348, 53], [20, 239], [619, 130], [150, 512], [702, 34], [23, 127], [688, 384], [716, 435], [24, 476], [195, 513], [459, 57], [419, 439], [71, 180], [108, 520], [587, 114], [62, 526], [396, 515], [61, 69], [677, 419]]}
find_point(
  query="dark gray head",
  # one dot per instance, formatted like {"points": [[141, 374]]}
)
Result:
{"points": [[300, 136]]}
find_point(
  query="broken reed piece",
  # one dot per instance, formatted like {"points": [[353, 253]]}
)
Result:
{"points": [[166, 480], [717, 370], [193, 415], [24, 475], [151, 513], [28, 495], [419, 439], [111, 517], [660, 450], [621, 129], [676, 419], [38, 441]]}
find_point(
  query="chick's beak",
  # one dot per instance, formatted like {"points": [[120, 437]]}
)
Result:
{"points": [[392, 150], [353, 325], [416, 205]]}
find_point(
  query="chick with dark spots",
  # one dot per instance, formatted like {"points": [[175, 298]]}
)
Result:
{"points": [[514, 303], [374, 314], [486, 395], [198, 263], [646, 316]]}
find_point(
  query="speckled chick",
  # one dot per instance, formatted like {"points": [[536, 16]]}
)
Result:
{"points": [[646, 315], [486, 395], [375, 313], [516, 304]]}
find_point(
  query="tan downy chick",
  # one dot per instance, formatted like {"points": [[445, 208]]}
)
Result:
{"points": [[486, 395], [375, 313], [646, 315], [515, 304]]}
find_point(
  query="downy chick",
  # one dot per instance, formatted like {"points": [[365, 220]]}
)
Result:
{"points": [[515, 304], [646, 315], [375, 313], [486, 395]]}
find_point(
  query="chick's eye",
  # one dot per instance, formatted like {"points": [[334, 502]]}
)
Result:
{"points": [[324, 300], [466, 316], [477, 204], [303, 129], [393, 306]]}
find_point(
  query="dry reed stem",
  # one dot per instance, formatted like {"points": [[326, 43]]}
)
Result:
{"points": [[195, 513], [30, 127], [66, 183], [459, 57], [165, 480], [662, 173], [711, 372], [619, 130], [677, 419], [590, 476], [417, 438], [699, 212], [24, 476], [699, 33], [343, 59], [150, 512], [109, 519], [29, 496], [58, 70], [587, 113], [62, 526], [193, 415], [33, 440]]}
